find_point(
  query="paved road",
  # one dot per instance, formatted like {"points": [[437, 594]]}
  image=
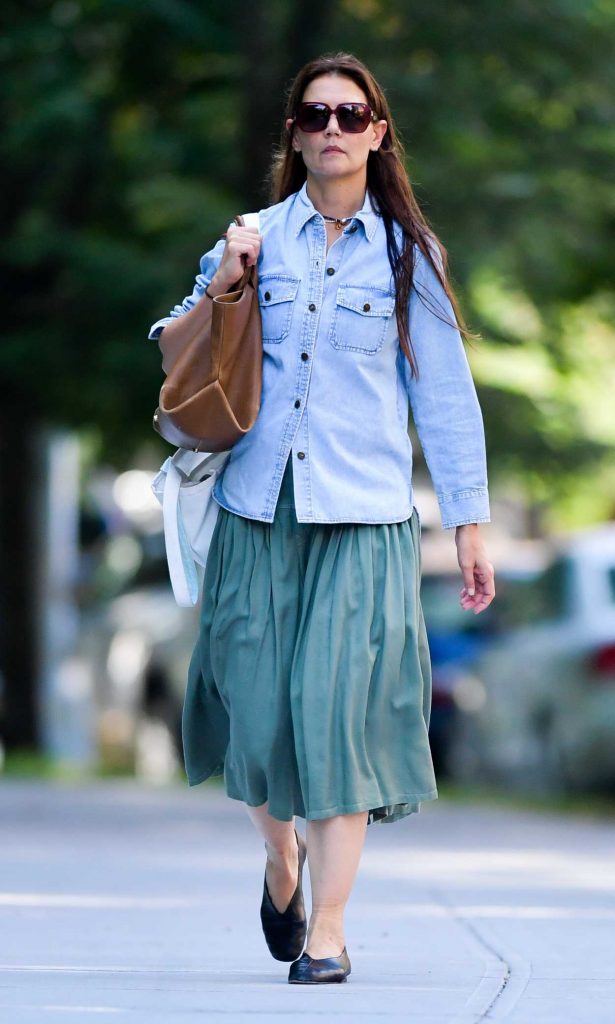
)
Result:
{"points": [[125, 903]]}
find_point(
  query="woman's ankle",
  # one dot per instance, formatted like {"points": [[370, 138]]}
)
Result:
{"points": [[323, 945], [326, 931]]}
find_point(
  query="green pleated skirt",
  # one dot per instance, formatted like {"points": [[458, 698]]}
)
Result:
{"points": [[310, 682]]}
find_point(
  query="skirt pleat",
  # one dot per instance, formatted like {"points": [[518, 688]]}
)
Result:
{"points": [[310, 682]]}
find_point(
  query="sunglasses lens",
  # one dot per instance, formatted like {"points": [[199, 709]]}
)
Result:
{"points": [[313, 117], [353, 117]]}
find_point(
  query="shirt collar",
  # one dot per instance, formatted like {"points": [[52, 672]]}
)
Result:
{"points": [[304, 210]]}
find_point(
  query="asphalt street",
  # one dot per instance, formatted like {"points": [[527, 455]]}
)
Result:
{"points": [[124, 902]]}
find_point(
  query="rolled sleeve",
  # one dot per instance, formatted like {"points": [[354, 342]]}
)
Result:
{"points": [[157, 328], [444, 403], [209, 264]]}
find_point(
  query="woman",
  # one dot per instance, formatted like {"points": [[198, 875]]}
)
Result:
{"points": [[310, 684]]}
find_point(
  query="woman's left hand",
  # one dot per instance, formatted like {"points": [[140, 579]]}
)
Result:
{"points": [[478, 573]]}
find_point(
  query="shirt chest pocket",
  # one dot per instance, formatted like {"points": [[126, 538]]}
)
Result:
{"points": [[276, 296], [360, 318]]}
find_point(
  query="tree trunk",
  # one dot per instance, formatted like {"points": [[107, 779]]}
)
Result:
{"points": [[271, 61], [19, 479]]}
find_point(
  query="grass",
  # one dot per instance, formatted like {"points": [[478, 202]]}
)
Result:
{"points": [[586, 805], [32, 764], [29, 764]]}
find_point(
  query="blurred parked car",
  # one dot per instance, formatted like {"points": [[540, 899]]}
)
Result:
{"points": [[457, 638], [137, 643], [544, 708]]}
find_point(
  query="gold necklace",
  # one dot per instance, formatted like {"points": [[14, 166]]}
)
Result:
{"points": [[338, 221]]}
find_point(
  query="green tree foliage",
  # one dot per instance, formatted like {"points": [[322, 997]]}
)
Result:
{"points": [[133, 132]]}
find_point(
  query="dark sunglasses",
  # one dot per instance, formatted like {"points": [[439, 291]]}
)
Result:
{"points": [[351, 117]]}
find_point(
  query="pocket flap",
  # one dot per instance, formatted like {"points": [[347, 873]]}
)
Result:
{"points": [[365, 300], [277, 289]]}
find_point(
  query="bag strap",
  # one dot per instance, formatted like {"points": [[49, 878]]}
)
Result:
{"points": [[251, 220], [247, 220], [182, 570]]}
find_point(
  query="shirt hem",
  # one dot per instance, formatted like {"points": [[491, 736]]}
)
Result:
{"points": [[313, 519]]}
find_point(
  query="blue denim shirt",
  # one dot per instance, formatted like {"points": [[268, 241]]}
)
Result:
{"points": [[336, 384]]}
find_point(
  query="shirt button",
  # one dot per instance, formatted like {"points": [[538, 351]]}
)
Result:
{"points": [[366, 306], [311, 307], [353, 229], [330, 270], [304, 356], [267, 296], [297, 403], [300, 455]]}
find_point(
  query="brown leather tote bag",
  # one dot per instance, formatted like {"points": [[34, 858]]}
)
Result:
{"points": [[212, 392]]}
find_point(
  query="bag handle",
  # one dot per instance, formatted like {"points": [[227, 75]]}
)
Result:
{"points": [[248, 220]]}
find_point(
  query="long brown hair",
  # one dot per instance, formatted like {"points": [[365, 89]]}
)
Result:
{"points": [[387, 182]]}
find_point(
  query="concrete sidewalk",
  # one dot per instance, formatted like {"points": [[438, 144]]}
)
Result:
{"points": [[125, 903]]}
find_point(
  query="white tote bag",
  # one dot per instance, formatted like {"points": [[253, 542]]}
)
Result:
{"points": [[183, 487]]}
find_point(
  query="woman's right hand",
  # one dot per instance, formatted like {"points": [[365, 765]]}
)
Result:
{"points": [[240, 241]]}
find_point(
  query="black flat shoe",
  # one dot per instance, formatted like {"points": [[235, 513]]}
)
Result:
{"points": [[308, 971], [285, 932]]}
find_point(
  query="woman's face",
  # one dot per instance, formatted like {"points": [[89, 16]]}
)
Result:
{"points": [[355, 148]]}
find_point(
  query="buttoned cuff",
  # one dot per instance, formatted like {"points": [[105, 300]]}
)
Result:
{"points": [[469, 506]]}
